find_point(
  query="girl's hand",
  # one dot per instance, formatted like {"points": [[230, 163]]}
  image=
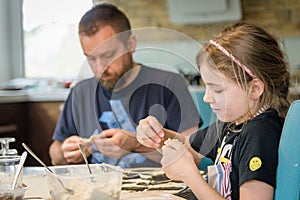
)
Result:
{"points": [[177, 162], [150, 132]]}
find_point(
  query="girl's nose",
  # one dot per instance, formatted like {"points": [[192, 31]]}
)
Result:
{"points": [[207, 97]]}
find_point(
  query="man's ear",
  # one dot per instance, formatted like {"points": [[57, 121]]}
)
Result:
{"points": [[257, 88], [131, 43]]}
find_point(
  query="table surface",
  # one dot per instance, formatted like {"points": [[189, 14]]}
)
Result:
{"points": [[36, 180]]}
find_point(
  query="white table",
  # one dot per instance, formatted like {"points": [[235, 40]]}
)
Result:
{"points": [[36, 180]]}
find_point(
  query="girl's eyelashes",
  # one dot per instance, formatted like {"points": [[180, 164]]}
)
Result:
{"points": [[218, 91]]}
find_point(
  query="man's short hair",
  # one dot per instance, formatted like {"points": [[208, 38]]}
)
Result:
{"points": [[101, 15]]}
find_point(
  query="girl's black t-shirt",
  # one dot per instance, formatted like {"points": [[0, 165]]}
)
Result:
{"points": [[251, 148]]}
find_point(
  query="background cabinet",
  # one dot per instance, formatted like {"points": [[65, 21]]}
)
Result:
{"points": [[42, 118], [32, 123], [12, 123]]}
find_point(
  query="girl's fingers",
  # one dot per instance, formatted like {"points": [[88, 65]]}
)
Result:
{"points": [[146, 129], [145, 139], [155, 125]]}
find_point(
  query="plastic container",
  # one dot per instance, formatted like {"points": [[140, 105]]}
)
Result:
{"points": [[13, 194], [8, 169], [104, 183]]}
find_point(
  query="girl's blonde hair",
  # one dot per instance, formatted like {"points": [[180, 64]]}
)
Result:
{"points": [[260, 52]]}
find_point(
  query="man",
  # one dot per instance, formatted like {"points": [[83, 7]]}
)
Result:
{"points": [[108, 107]]}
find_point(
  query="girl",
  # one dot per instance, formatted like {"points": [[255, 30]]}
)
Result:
{"points": [[247, 82]]}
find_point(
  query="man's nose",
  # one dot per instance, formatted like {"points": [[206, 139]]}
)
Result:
{"points": [[101, 66]]}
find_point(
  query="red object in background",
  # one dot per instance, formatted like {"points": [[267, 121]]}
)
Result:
{"points": [[67, 84]]}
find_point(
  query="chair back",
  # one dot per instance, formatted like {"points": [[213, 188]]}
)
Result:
{"points": [[206, 113], [288, 171]]}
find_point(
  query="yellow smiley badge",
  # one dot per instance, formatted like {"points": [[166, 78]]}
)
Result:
{"points": [[255, 163]]}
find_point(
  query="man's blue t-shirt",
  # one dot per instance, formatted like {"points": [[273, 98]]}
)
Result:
{"points": [[154, 92]]}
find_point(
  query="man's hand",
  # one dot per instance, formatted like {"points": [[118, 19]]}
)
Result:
{"points": [[67, 152], [116, 143], [71, 152]]}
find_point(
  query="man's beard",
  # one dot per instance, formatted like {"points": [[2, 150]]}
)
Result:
{"points": [[110, 84]]}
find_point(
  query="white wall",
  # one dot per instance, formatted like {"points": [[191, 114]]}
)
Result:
{"points": [[4, 44], [172, 56], [11, 46], [11, 59], [292, 45]]}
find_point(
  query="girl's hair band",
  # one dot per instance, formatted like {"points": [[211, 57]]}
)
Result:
{"points": [[234, 59]]}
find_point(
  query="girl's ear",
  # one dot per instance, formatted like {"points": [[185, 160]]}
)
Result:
{"points": [[257, 89], [131, 43]]}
